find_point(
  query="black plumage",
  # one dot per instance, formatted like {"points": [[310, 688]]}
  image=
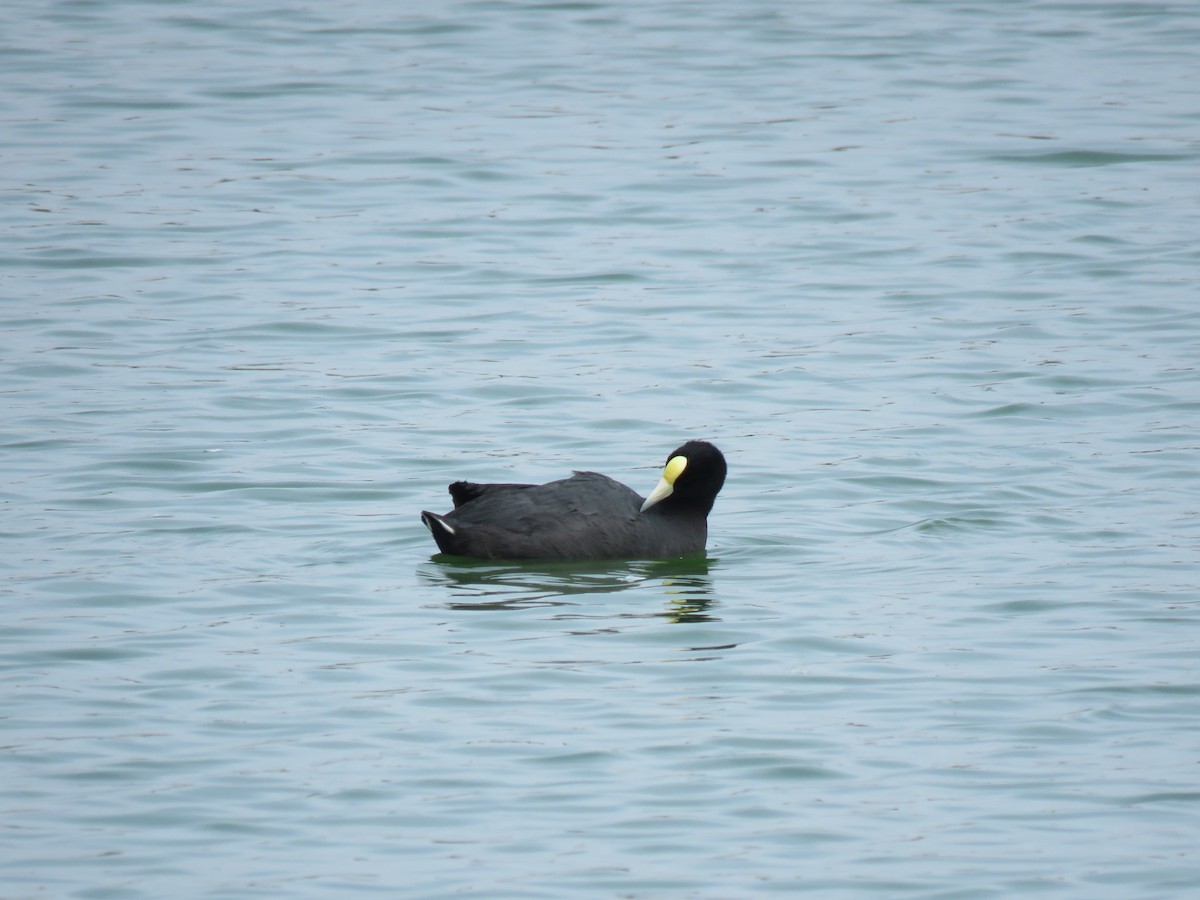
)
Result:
{"points": [[586, 516]]}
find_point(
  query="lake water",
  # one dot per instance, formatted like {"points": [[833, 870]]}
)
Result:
{"points": [[275, 274]]}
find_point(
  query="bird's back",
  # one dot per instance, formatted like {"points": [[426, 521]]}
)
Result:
{"points": [[586, 516]]}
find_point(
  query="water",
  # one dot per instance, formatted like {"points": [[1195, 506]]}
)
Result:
{"points": [[274, 275]]}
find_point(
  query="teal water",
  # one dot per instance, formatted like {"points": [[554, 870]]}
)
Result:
{"points": [[274, 275]]}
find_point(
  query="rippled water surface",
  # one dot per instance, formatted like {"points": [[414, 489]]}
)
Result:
{"points": [[273, 275]]}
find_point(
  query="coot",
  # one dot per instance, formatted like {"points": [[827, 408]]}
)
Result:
{"points": [[586, 516]]}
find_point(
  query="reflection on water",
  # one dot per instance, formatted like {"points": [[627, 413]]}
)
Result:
{"points": [[476, 584], [690, 594]]}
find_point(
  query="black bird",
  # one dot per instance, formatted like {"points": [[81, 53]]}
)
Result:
{"points": [[586, 516]]}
